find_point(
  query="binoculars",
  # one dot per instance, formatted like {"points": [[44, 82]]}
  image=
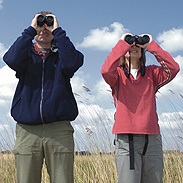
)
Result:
{"points": [[137, 39], [41, 20]]}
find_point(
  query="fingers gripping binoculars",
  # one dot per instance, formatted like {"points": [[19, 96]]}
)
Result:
{"points": [[137, 39], [41, 20]]}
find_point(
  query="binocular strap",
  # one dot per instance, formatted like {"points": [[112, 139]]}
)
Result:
{"points": [[145, 145], [131, 149], [129, 67]]}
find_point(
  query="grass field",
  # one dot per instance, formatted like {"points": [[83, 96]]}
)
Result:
{"points": [[97, 168]]}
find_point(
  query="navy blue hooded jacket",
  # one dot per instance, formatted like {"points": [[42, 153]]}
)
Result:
{"points": [[43, 93]]}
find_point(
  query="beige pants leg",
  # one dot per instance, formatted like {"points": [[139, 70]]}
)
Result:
{"points": [[59, 152], [52, 142]]}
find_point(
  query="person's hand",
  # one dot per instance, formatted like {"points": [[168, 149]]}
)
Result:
{"points": [[145, 45], [34, 23], [45, 26]]}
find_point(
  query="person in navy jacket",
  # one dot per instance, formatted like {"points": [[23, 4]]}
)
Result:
{"points": [[43, 106]]}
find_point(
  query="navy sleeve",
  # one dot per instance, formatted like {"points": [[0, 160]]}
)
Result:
{"points": [[70, 58], [17, 54]]}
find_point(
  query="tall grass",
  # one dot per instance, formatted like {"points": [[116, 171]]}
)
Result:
{"points": [[173, 171], [97, 168], [93, 135], [7, 168]]}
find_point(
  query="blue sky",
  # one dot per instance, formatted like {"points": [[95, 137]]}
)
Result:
{"points": [[94, 27]]}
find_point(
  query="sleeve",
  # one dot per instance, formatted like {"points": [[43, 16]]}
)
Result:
{"points": [[70, 58], [168, 69], [109, 68], [17, 54]]}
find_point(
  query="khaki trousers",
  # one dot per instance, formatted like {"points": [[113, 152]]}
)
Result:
{"points": [[50, 142], [148, 168]]}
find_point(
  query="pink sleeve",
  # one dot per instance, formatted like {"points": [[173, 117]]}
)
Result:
{"points": [[109, 68], [168, 69]]}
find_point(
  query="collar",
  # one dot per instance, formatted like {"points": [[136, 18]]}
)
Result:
{"points": [[41, 53]]}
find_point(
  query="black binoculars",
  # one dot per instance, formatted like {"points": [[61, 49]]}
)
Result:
{"points": [[41, 20], [137, 39]]}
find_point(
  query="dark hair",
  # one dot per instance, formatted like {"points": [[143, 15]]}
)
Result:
{"points": [[142, 65], [143, 62]]}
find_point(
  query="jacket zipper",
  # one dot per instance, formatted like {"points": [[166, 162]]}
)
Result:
{"points": [[42, 85]]}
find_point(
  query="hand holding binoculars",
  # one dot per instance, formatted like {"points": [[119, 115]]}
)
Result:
{"points": [[48, 20]]}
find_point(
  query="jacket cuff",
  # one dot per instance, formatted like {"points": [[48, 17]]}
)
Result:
{"points": [[30, 31], [57, 30]]}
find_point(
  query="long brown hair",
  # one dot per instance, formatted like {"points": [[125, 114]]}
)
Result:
{"points": [[127, 68]]}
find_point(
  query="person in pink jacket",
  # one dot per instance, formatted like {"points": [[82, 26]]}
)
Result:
{"points": [[138, 143]]}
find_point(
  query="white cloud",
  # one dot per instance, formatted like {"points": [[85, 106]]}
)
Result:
{"points": [[103, 94], [171, 40], [1, 4], [7, 82], [103, 38], [7, 136], [176, 85], [171, 129], [7, 87], [79, 82], [2, 50], [101, 85], [93, 127], [4, 127], [106, 37], [171, 120]]}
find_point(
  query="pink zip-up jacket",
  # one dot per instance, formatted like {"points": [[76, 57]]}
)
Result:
{"points": [[135, 100]]}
